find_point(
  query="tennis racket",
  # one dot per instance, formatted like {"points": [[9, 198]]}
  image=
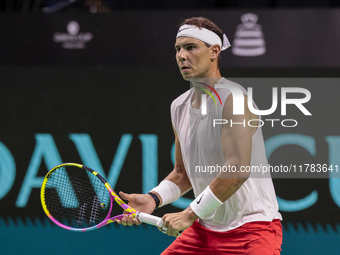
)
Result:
{"points": [[77, 198]]}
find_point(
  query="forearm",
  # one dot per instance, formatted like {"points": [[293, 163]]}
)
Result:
{"points": [[224, 188], [226, 184], [173, 186], [219, 190], [180, 178]]}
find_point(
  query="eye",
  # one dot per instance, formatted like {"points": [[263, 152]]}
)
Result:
{"points": [[190, 47]]}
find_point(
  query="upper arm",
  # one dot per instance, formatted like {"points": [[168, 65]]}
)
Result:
{"points": [[179, 175], [236, 137], [179, 164]]}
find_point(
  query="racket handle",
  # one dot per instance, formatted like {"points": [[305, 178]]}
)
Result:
{"points": [[149, 219], [152, 220]]}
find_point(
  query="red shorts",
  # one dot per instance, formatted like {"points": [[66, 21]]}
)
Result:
{"points": [[254, 238]]}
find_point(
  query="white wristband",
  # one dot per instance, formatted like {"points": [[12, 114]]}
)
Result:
{"points": [[168, 191], [205, 203]]}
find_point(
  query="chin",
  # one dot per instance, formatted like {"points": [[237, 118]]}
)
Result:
{"points": [[186, 77]]}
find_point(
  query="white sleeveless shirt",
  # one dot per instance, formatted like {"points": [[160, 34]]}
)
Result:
{"points": [[200, 144]]}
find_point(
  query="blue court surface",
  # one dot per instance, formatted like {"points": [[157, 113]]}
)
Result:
{"points": [[35, 237]]}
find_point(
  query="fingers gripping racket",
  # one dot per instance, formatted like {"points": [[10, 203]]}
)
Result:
{"points": [[77, 198]]}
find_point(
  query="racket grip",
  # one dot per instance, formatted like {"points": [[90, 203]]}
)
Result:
{"points": [[149, 219], [152, 220]]}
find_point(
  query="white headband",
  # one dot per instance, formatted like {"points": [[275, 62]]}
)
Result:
{"points": [[204, 35]]}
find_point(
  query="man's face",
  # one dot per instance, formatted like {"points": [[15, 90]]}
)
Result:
{"points": [[193, 58]]}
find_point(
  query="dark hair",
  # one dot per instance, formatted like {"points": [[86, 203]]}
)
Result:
{"points": [[208, 24]]}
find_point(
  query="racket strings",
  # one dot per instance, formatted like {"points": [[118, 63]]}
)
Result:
{"points": [[95, 209], [81, 215], [77, 198]]}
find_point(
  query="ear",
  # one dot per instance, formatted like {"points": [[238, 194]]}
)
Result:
{"points": [[214, 51]]}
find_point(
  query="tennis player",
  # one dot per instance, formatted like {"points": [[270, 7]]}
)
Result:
{"points": [[233, 212]]}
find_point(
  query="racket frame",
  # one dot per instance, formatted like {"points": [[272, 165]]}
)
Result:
{"points": [[146, 218]]}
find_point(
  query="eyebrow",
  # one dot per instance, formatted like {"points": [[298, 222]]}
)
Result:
{"points": [[184, 45]]}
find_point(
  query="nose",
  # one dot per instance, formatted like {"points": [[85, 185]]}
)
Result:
{"points": [[181, 54]]}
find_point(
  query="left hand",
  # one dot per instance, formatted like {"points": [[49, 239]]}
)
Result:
{"points": [[176, 222]]}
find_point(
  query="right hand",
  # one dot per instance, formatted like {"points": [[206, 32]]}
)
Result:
{"points": [[140, 202]]}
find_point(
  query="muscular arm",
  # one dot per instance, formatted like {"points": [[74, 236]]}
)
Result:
{"points": [[178, 175], [236, 142]]}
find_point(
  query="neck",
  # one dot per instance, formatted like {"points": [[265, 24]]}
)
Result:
{"points": [[202, 84]]}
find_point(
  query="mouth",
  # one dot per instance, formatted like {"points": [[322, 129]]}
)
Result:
{"points": [[184, 68]]}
